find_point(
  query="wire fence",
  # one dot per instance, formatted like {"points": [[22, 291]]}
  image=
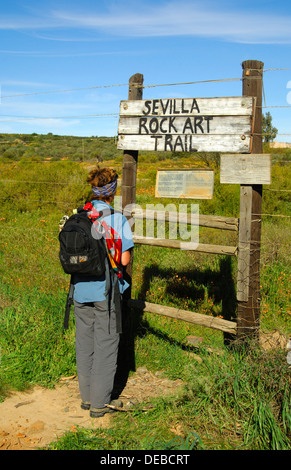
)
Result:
{"points": [[102, 115], [88, 116], [148, 86], [29, 267]]}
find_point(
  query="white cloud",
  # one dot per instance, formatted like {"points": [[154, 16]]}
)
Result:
{"points": [[185, 19], [169, 18], [25, 22], [51, 54], [21, 83], [39, 108]]}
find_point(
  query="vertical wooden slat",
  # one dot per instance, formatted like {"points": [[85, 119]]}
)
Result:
{"points": [[248, 320], [130, 157], [243, 274], [129, 170], [126, 357]]}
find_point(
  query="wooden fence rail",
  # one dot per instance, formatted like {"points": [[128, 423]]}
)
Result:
{"points": [[187, 246], [211, 221], [217, 222], [190, 317]]}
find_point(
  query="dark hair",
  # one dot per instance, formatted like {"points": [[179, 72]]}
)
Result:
{"points": [[101, 177]]}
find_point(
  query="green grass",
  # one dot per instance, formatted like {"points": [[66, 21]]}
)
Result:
{"points": [[34, 347], [226, 404], [232, 398]]}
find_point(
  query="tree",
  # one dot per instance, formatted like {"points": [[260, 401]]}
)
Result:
{"points": [[269, 132]]}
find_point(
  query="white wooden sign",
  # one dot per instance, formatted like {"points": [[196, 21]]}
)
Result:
{"points": [[187, 125], [245, 169], [187, 184]]}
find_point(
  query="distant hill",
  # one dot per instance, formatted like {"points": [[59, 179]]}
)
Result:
{"points": [[15, 147], [39, 147], [50, 147]]}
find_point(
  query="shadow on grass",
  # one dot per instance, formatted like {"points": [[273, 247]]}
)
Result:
{"points": [[219, 286]]}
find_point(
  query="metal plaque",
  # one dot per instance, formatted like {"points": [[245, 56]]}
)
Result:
{"points": [[186, 184]]}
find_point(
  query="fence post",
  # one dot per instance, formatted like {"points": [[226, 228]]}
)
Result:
{"points": [[248, 320], [129, 169], [126, 356]]}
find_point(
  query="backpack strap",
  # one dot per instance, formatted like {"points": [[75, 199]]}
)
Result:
{"points": [[113, 270], [112, 238]]}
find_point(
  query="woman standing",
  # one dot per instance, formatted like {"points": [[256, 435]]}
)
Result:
{"points": [[97, 325]]}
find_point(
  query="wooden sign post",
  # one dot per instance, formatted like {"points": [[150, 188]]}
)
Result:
{"points": [[233, 125], [130, 155], [248, 315], [126, 360], [129, 169]]}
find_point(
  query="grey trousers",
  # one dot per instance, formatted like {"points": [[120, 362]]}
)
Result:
{"points": [[96, 351]]}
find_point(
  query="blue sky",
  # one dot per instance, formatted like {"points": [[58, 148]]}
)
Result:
{"points": [[52, 46]]}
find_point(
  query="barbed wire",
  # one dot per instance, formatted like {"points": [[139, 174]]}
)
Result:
{"points": [[33, 118], [126, 84], [279, 190], [42, 182], [196, 82], [63, 91], [271, 215], [88, 116], [14, 227], [70, 203], [26, 118], [276, 106], [55, 231], [85, 185], [137, 85], [265, 134], [277, 69], [3, 226], [66, 90]]}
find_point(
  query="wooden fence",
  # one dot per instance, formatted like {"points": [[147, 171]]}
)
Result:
{"points": [[248, 226]]}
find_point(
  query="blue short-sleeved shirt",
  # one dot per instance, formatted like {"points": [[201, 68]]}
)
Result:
{"points": [[92, 289]]}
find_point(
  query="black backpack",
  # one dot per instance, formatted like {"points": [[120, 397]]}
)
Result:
{"points": [[85, 254], [80, 251]]}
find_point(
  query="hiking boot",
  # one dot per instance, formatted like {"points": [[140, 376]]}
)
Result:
{"points": [[99, 412], [85, 405]]}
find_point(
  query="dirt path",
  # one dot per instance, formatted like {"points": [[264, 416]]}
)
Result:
{"points": [[33, 419], [29, 420]]}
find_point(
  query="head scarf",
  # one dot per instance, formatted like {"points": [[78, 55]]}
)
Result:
{"points": [[107, 190]]}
